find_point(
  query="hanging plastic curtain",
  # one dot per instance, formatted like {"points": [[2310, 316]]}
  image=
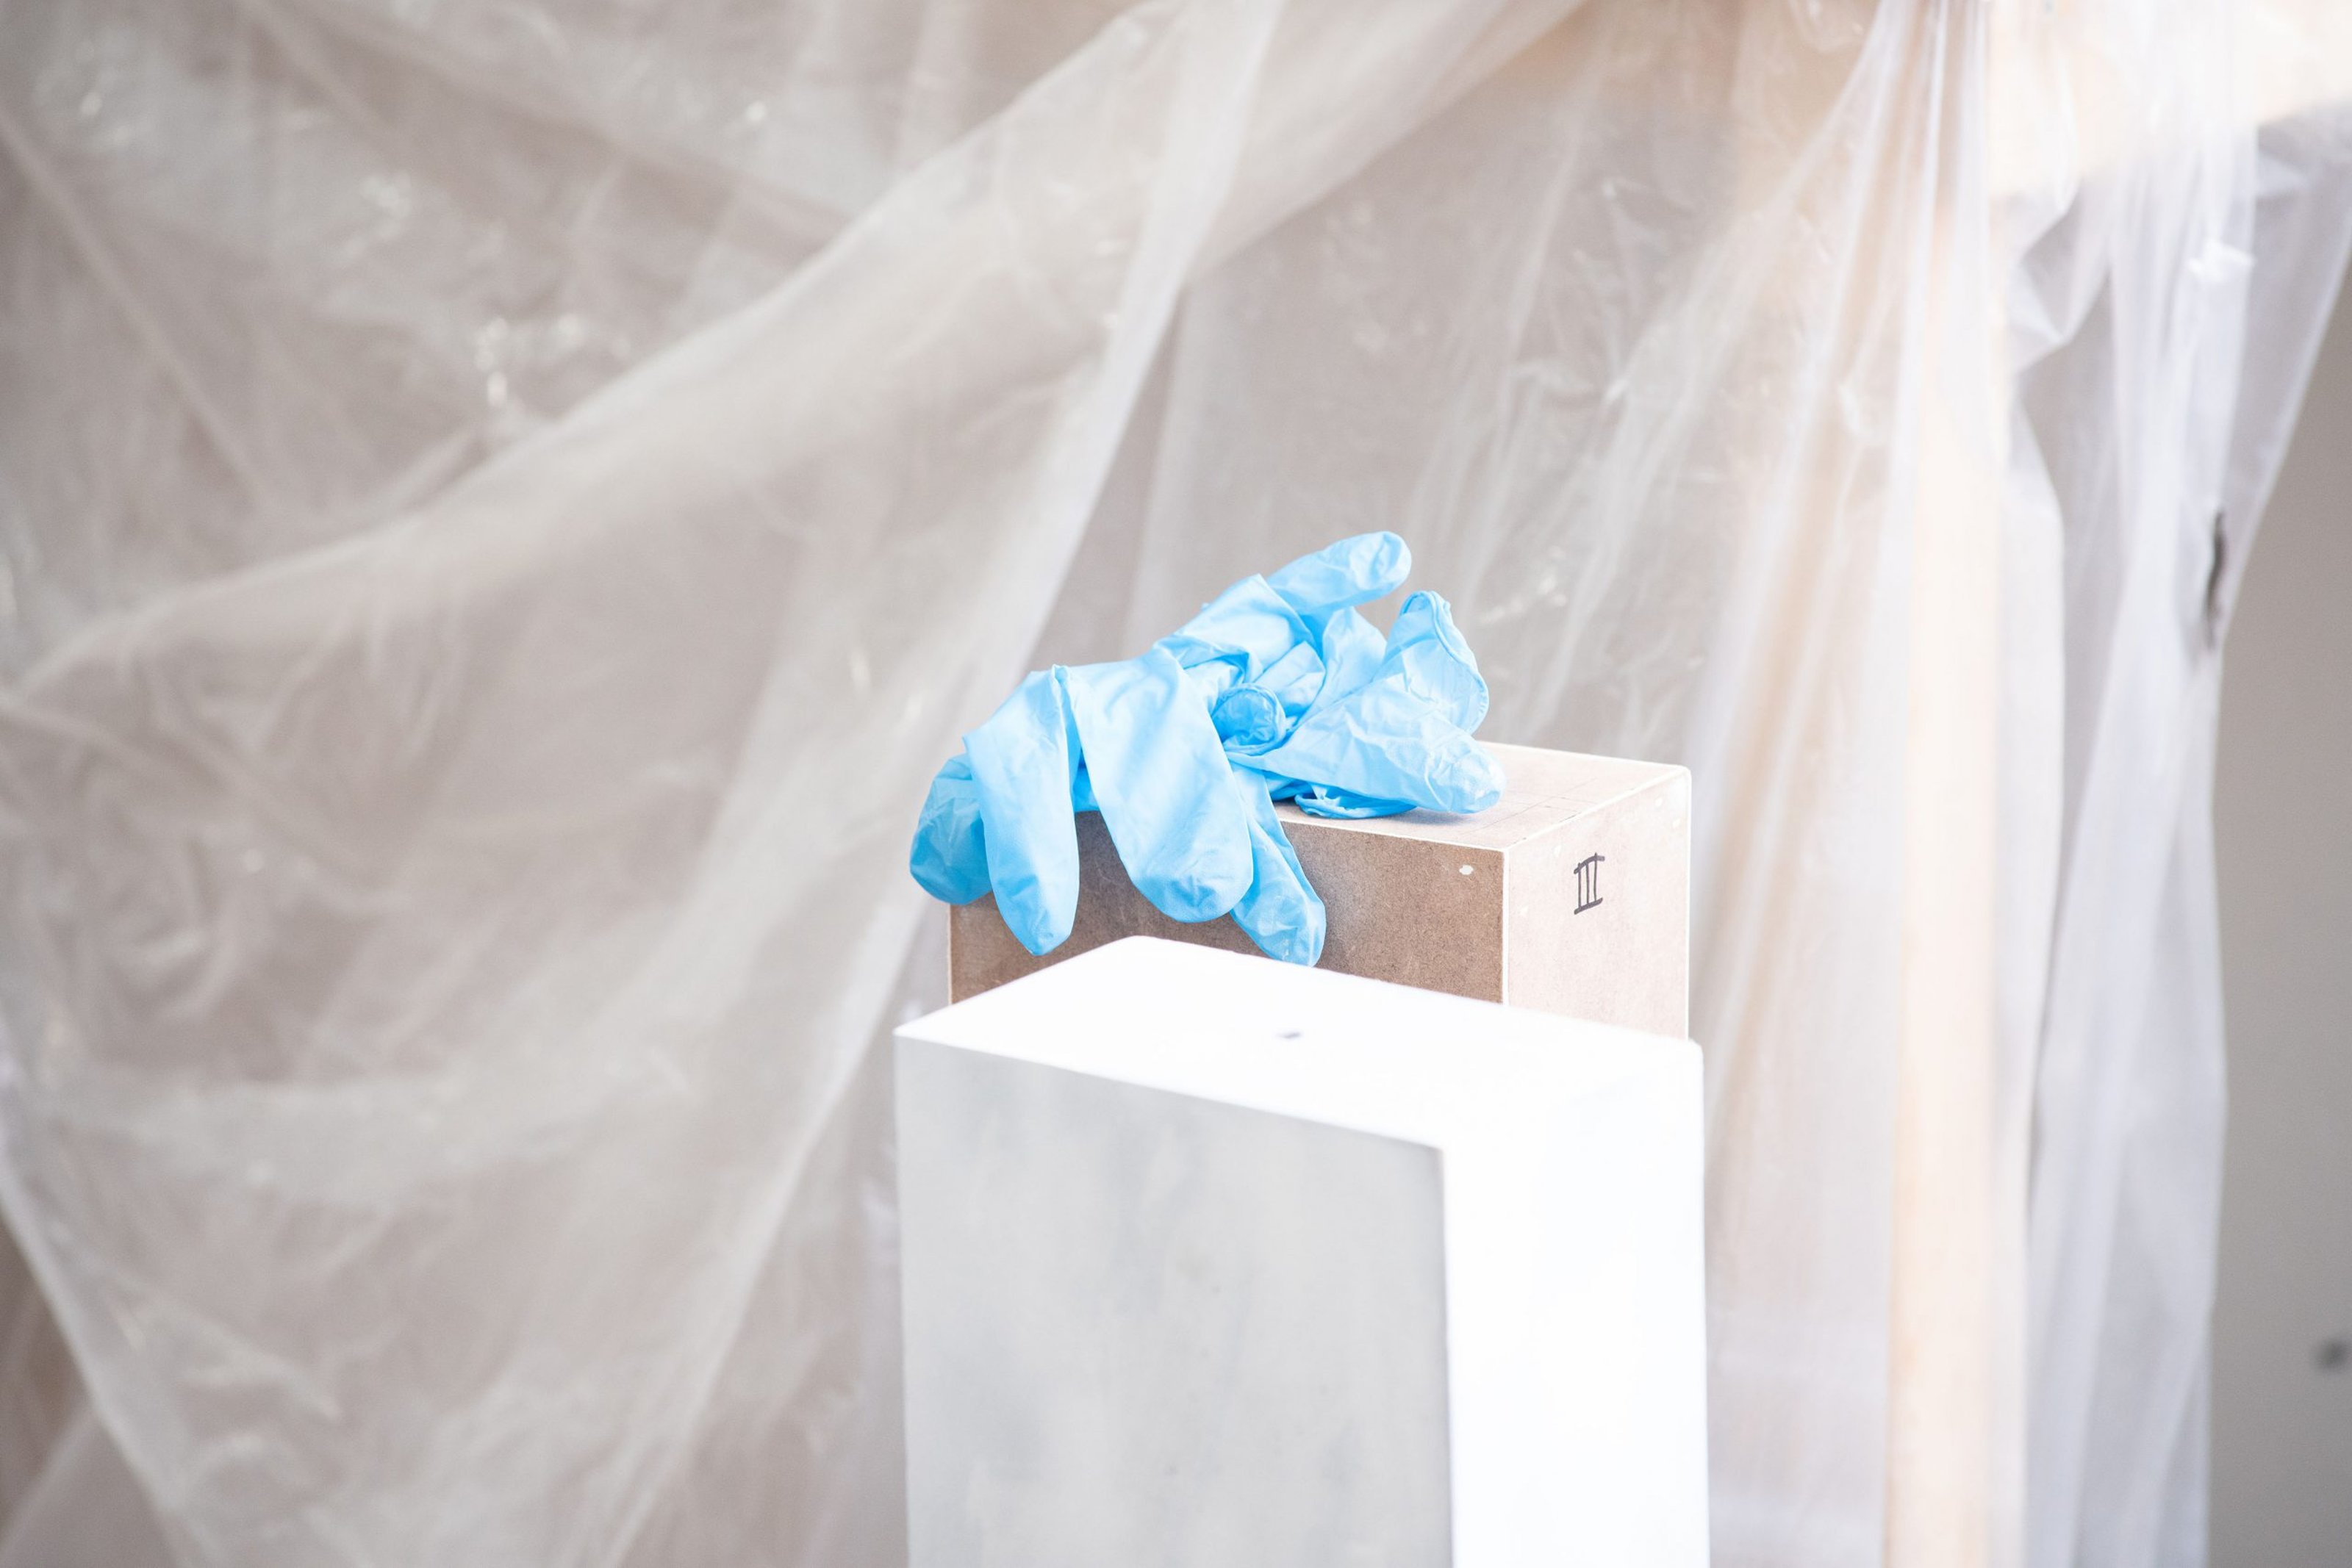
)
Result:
{"points": [[503, 509]]}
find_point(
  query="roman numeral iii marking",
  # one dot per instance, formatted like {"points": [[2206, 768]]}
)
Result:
{"points": [[1588, 882]]}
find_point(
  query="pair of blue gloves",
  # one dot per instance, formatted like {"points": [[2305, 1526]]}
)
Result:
{"points": [[1277, 690]]}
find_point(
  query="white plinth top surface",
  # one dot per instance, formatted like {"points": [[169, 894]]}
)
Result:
{"points": [[1247, 1030]]}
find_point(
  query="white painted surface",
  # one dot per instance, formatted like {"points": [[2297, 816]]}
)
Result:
{"points": [[1180, 1227]]}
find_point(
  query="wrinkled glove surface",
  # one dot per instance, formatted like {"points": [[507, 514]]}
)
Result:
{"points": [[1278, 689]]}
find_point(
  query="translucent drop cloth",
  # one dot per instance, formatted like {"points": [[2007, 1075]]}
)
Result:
{"points": [[504, 506]]}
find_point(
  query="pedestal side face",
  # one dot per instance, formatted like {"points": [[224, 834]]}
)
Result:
{"points": [[1576, 1299], [1155, 1331]]}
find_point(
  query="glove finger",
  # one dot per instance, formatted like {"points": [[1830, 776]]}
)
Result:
{"points": [[1434, 661], [1022, 764], [1249, 624], [1352, 651], [1281, 912], [1159, 774], [1296, 679], [1352, 571], [950, 854], [1249, 718]]}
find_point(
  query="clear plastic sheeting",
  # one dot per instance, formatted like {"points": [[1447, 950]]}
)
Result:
{"points": [[503, 509]]}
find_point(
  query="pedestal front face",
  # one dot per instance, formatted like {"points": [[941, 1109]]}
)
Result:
{"points": [[1155, 1331], [1571, 897]]}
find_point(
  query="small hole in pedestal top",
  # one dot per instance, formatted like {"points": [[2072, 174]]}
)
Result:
{"points": [[1289, 1034]]}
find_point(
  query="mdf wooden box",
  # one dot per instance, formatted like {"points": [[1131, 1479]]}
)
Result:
{"points": [[1570, 896]]}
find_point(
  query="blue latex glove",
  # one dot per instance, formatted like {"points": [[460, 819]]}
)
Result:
{"points": [[1002, 815], [1399, 739], [1277, 689]]}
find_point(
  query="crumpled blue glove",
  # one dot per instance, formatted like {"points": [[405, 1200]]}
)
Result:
{"points": [[1278, 689]]}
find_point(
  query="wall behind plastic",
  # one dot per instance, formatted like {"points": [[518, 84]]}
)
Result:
{"points": [[502, 509], [2283, 829]]}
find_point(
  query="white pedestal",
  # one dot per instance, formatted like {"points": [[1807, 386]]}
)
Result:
{"points": [[1216, 1262]]}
